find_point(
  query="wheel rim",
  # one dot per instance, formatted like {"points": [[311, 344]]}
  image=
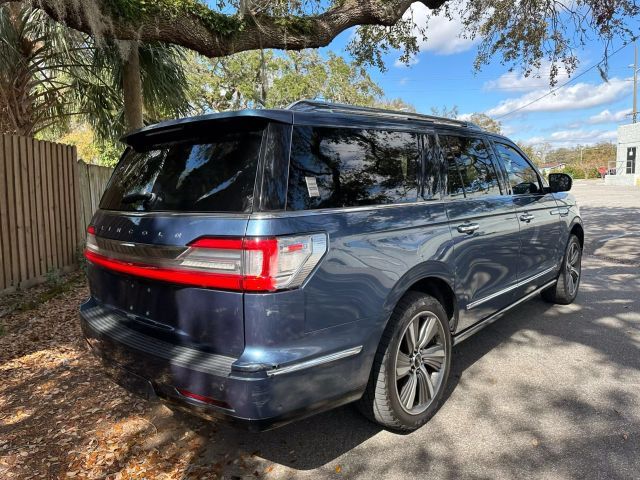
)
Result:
{"points": [[573, 268], [420, 360]]}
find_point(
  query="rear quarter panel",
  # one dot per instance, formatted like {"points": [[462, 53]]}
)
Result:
{"points": [[374, 255]]}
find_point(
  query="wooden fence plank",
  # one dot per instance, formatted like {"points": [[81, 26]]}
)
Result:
{"points": [[55, 203], [53, 195], [5, 265], [33, 218], [26, 208], [65, 201], [44, 160], [22, 254], [61, 210], [11, 211], [39, 224]]}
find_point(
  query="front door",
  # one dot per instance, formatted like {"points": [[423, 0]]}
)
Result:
{"points": [[539, 218], [484, 226]]}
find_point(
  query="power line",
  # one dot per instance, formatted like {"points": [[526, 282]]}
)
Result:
{"points": [[572, 79]]}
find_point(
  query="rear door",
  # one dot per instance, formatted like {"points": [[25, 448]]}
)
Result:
{"points": [[484, 226], [538, 217]]}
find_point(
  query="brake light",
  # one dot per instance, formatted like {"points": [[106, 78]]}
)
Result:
{"points": [[252, 264]]}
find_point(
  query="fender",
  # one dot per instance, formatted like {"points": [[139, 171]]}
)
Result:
{"points": [[428, 269]]}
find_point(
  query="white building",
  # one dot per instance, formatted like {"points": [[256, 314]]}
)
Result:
{"points": [[627, 169]]}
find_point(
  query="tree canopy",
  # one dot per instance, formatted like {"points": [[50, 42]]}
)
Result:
{"points": [[522, 34], [50, 75], [269, 79]]}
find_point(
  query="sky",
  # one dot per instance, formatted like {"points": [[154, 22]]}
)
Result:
{"points": [[586, 111]]}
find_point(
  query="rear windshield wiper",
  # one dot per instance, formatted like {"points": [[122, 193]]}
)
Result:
{"points": [[147, 198]]}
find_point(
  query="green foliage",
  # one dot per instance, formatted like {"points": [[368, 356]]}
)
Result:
{"points": [[486, 122], [91, 149], [445, 112], [51, 76], [576, 173], [581, 161], [271, 80], [136, 11]]}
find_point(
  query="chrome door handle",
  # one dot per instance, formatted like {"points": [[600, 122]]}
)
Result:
{"points": [[527, 217], [468, 228]]}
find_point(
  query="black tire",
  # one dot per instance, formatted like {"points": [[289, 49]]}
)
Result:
{"points": [[566, 287], [381, 401]]}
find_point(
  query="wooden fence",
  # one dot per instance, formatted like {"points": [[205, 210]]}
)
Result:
{"points": [[46, 201], [93, 180]]}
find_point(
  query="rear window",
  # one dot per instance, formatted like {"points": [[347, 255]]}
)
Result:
{"points": [[215, 173]]}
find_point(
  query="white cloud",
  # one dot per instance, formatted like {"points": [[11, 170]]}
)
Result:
{"points": [[443, 35], [573, 97], [412, 61], [607, 116], [517, 82], [571, 138]]}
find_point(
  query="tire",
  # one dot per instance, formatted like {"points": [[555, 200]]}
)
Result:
{"points": [[405, 388], [566, 288]]}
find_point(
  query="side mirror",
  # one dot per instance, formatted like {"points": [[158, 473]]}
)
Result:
{"points": [[560, 182]]}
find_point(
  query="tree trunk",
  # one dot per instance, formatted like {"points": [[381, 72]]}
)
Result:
{"points": [[132, 88]]}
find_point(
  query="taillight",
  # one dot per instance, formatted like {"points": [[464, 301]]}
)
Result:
{"points": [[253, 264]]}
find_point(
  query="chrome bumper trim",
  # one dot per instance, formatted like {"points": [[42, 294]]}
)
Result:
{"points": [[314, 362]]}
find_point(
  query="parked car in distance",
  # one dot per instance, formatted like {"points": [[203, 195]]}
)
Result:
{"points": [[265, 265]]}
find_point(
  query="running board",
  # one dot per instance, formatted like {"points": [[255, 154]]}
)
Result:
{"points": [[462, 336]]}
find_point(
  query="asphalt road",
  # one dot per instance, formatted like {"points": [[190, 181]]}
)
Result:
{"points": [[545, 392]]}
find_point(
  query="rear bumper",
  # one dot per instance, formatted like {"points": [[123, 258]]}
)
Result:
{"points": [[257, 400]]}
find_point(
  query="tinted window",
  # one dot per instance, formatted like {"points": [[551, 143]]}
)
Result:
{"points": [[340, 167], [433, 164], [522, 177], [470, 170], [213, 176]]}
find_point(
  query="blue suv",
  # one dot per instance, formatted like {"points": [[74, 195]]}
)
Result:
{"points": [[265, 265]]}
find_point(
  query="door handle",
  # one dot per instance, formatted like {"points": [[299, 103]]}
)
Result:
{"points": [[468, 228], [527, 217]]}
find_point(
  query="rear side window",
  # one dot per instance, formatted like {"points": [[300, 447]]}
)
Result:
{"points": [[522, 176], [341, 167], [216, 174], [471, 172]]}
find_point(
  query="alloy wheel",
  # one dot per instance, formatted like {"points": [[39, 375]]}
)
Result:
{"points": [[573, 268], [419, 363]]}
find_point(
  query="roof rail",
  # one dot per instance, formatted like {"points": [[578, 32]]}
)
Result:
{"points": [[321, 106]]}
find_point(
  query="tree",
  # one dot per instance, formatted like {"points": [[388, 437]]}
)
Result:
{"points": [[522, 34], [396, 104], [445, 112], [272, 80], [50, 74], [486, 122]]}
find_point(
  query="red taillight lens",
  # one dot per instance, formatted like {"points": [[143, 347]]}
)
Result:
{"points": [[253, 264]]}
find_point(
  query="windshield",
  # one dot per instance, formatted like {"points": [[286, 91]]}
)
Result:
{"points": [[212, 174]]}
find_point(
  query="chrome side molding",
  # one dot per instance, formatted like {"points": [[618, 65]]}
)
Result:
{"points": [[508, 289], [462, 336], [314, 362]]}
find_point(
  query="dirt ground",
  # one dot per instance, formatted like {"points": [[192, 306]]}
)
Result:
{"points": [[61, 418]]}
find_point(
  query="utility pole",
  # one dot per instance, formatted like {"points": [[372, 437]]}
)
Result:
{"points": [[635, 84]]}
